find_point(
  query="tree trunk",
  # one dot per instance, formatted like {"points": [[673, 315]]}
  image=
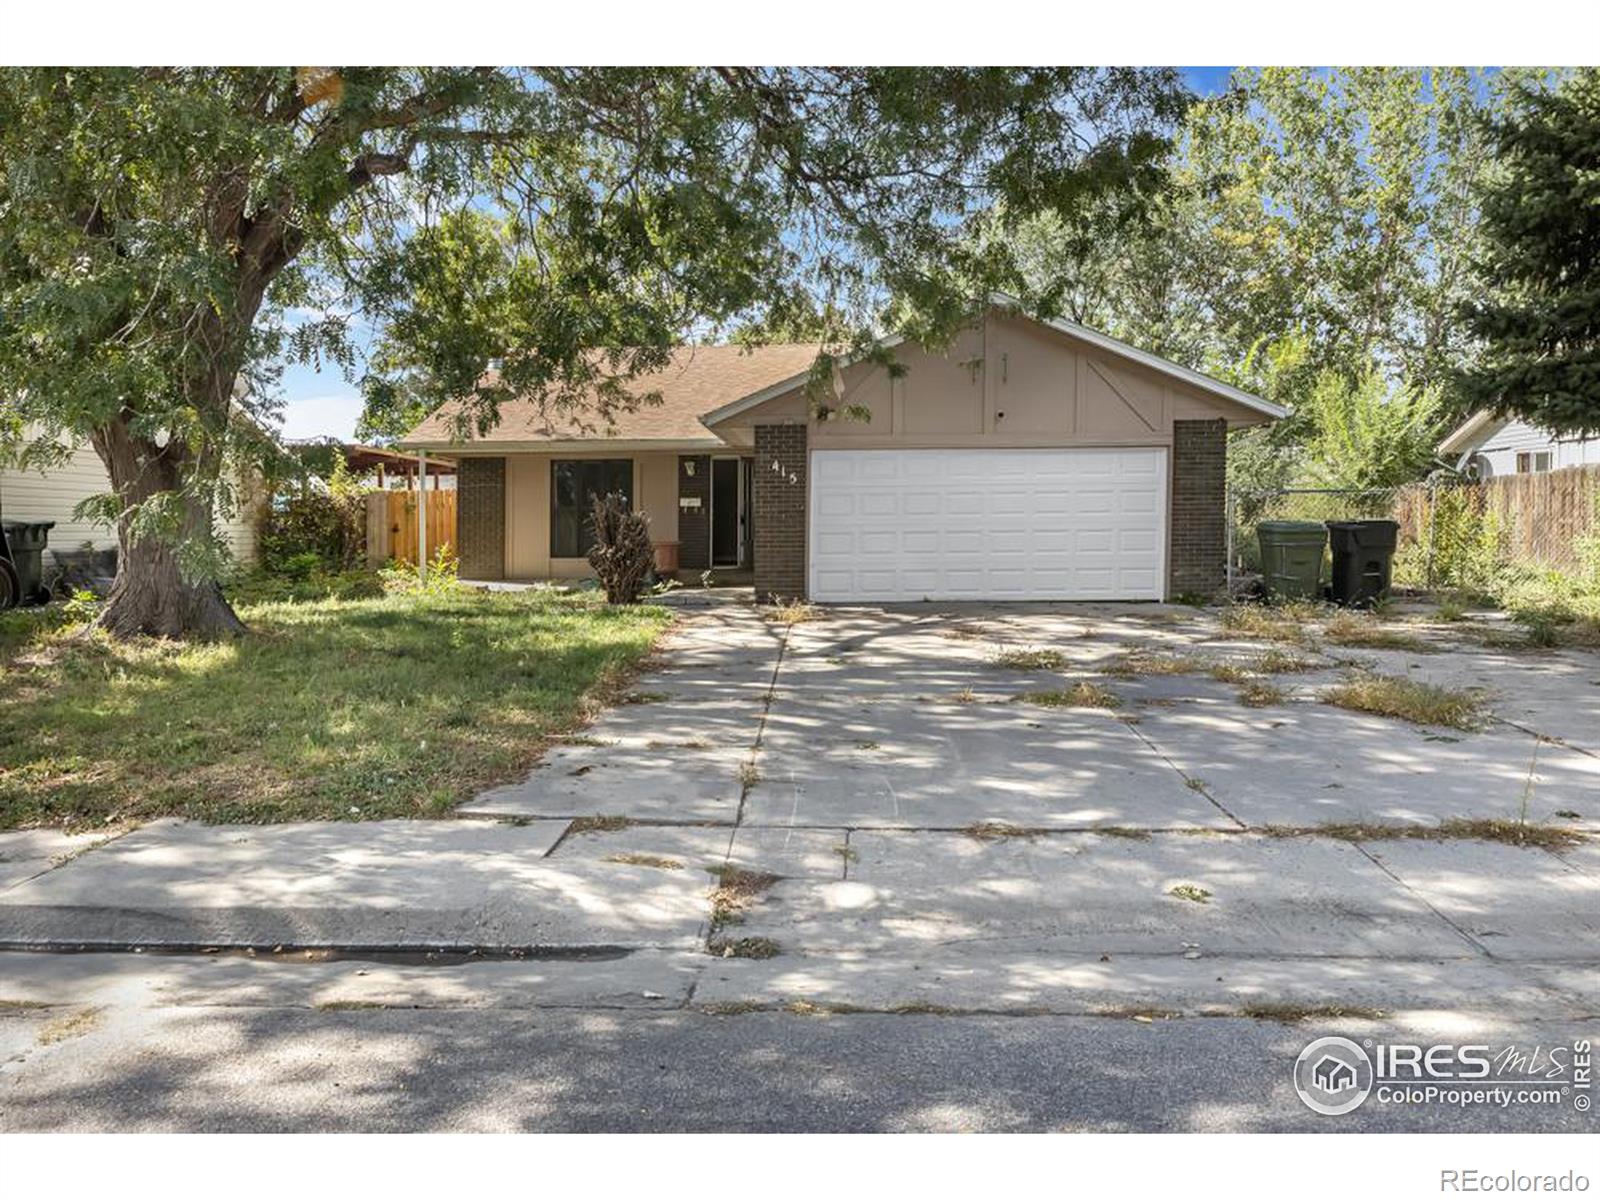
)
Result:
{"points": [[150, 595]]}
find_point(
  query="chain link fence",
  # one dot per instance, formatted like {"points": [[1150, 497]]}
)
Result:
{"points": [[1452, 534]]}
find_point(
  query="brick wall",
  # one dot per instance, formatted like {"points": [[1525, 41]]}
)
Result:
{"points": [[1199, 507], [694, 524], [481, 517], [780, 516]]}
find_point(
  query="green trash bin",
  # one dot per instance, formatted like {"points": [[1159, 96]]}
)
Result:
{"points": [[27, 541], [1291, 558]]}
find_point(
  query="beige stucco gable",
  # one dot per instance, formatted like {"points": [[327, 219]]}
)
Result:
{"points": [[1006, 382]]}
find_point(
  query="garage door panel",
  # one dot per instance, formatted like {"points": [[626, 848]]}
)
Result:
{"points": [[1006, 524]]}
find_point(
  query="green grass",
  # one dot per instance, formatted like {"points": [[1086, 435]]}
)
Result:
{"points": [[349, 709]]}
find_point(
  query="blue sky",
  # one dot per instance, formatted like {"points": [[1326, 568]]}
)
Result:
{"points": [[324, 404]]}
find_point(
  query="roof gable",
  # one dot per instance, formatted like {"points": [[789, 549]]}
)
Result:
{"points": [[1104, 342]]}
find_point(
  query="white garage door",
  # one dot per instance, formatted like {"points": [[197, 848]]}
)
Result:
{"points": [[988, 524]]}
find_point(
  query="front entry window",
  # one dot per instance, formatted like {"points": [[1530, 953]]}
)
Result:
{"points": [[574, 483]]}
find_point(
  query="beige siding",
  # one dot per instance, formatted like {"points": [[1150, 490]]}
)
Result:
{"points": [[1008, 382], [655, 491], [51, 495]]}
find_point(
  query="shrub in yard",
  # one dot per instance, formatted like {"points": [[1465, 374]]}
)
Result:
{"points": [[266, 587], [443, 575], [622, 556], [307, 530]]}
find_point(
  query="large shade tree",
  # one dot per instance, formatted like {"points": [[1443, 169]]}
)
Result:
{"points": [[1539, 309], [1337, 207], [170, 238]]}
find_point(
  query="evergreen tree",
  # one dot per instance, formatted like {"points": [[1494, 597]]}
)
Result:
{"points": [[1540, 314]]}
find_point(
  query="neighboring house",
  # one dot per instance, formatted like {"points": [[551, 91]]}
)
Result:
{"points": [[1486, 445], [1031, 460], [51, 494]]}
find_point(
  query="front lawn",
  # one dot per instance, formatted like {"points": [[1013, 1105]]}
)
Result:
{"points": [[399, 706]]}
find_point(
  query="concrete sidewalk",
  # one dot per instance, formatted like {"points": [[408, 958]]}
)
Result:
{"points": [[137, 1044]]}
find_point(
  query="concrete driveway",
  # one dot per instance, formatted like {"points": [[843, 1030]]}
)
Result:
{"points": [[887, 813], [906, 718], [943, 833]]}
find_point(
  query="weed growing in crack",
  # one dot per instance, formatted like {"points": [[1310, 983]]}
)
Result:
{"points": [[748, 947], [1257, 693], [657, 861], [793, 612], [1082, 694], [736, 891], [1281, 662], [1511, 833], [1144, 662], [996, 831], [1410, 700], [1352, 629], [598, 824], [1030, 660], [1293, 1014]]}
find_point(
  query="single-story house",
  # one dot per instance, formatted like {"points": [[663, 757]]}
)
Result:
{"points": [[1485, 445], [1029, 460]]}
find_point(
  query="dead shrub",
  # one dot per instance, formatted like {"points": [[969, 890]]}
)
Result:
{"points": [[622, 556]]}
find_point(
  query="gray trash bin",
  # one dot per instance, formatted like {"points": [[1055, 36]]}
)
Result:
{"points": [[27, 540]]}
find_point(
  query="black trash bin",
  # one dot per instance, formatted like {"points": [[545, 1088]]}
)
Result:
{"points": [[27, 540], [1363, 559]]}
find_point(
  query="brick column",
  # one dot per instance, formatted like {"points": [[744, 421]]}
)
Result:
{"points": [[1199, 508], [481, 517], [694, 524], [780, 516]]}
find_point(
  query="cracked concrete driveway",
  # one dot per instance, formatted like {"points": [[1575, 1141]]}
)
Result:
{"points": [[949, 828], [963, 811]]}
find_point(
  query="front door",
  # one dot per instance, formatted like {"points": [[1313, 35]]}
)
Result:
{"points": [[727, 512]]}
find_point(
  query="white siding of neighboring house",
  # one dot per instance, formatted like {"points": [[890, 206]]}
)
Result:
{"points": [[51, 496], [1502, 449]]}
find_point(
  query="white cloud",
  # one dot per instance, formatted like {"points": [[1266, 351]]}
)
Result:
{"points": [[322, 416]]}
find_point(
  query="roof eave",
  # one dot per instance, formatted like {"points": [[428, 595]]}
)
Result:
{"points": [[564, 446], [772, 391], [1471, 433]]}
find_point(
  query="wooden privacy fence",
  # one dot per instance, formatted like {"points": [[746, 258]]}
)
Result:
{"points": [[1451, 534], [392, 525], [1541, 518]]}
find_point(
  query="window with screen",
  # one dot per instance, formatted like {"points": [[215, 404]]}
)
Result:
{"points": [[574, 483]]}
